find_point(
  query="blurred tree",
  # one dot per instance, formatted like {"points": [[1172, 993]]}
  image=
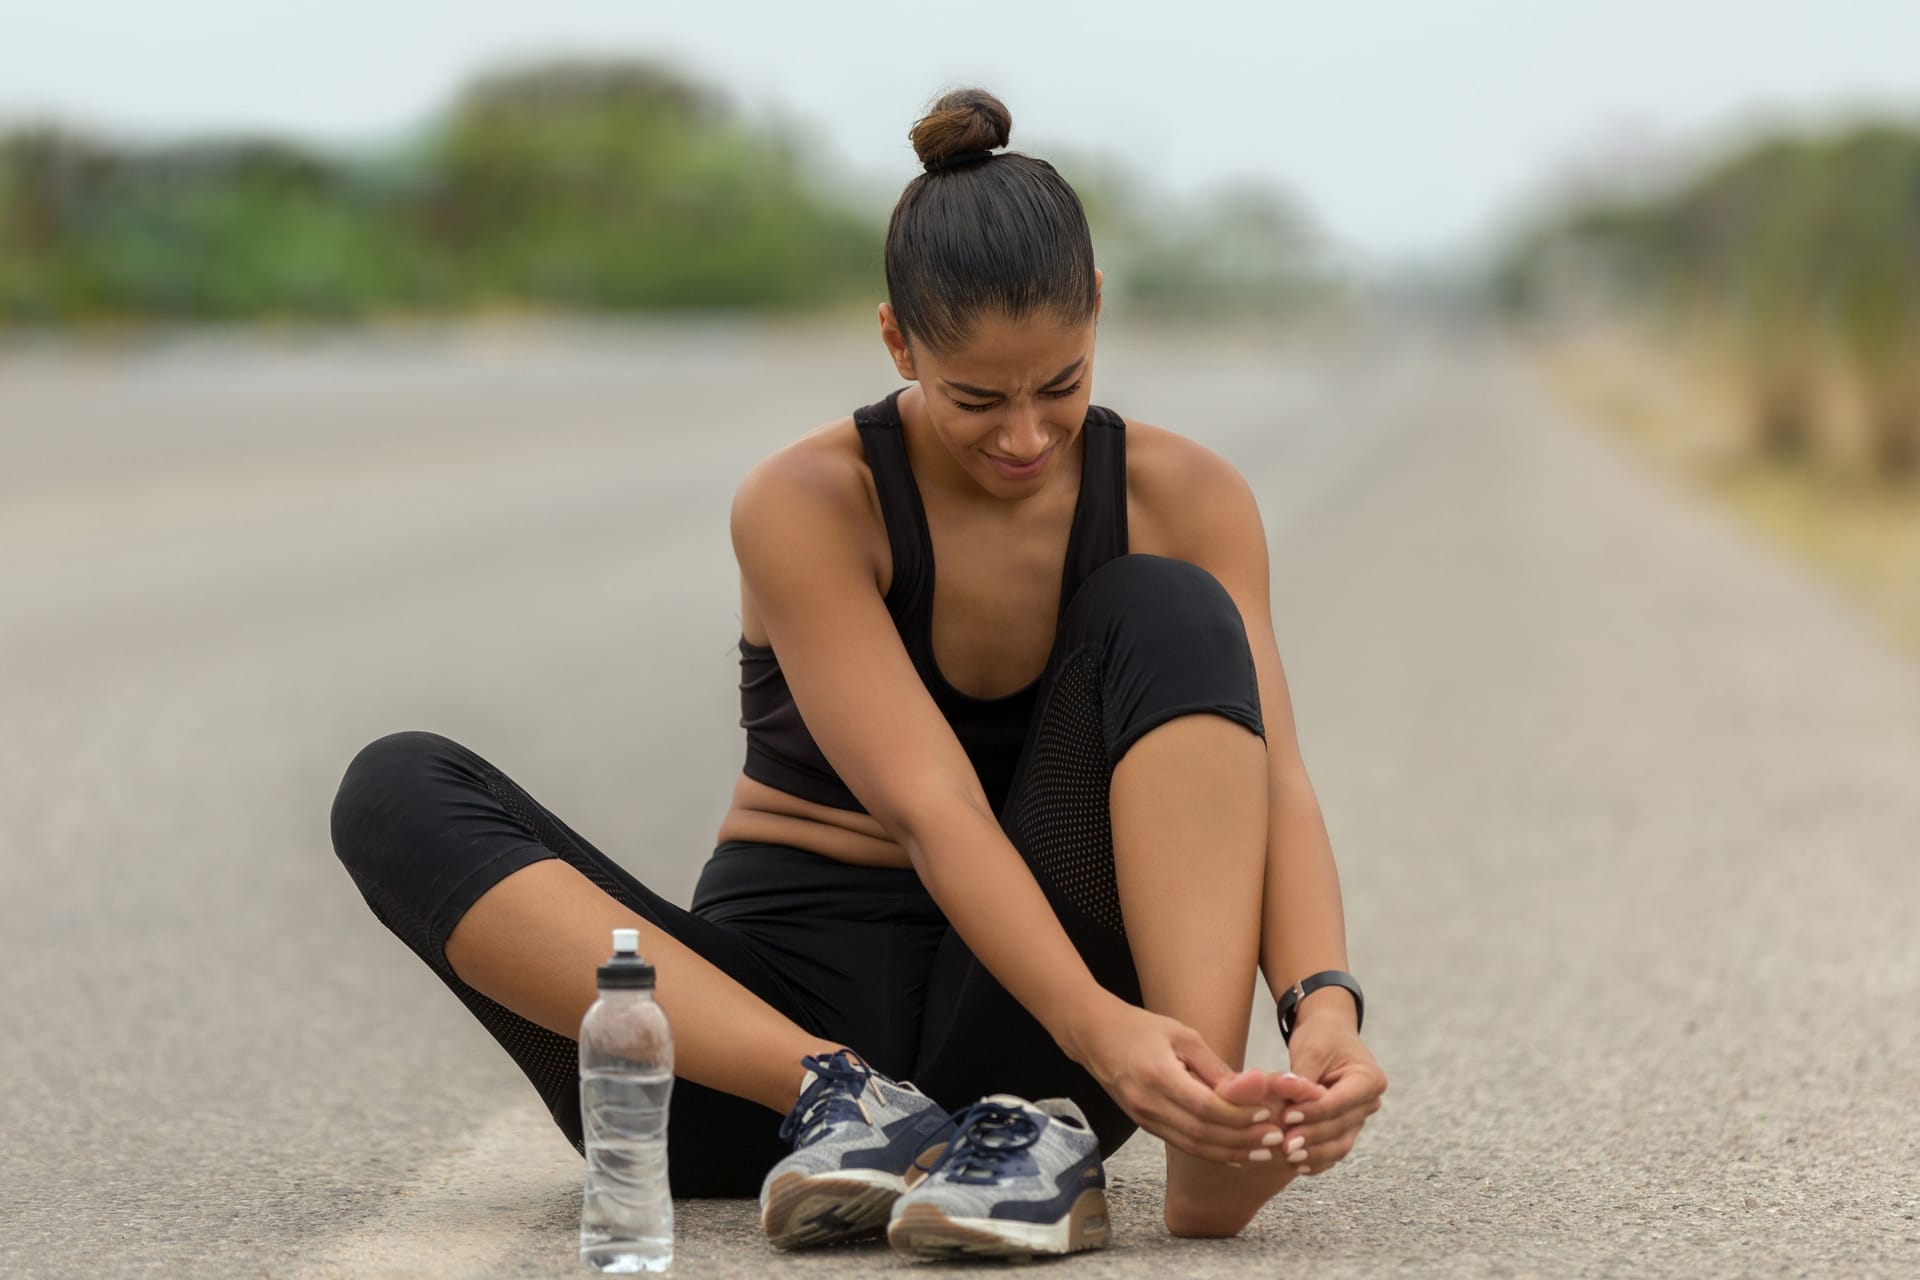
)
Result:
{"points": [[1873, 245], [1796, 246], [571, 184]]}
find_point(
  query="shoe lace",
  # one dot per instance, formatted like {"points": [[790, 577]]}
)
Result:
{"points": [[989, 1136], [833, 1096]]}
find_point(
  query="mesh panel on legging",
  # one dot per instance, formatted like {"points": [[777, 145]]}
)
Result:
{"points": [[551, 1061], [976, 1038], [1057, 812]]}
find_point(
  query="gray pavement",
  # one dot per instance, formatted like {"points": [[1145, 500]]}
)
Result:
{"points": [[1627, 809]]}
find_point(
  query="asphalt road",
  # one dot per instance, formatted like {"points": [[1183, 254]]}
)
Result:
{"points": [[1627, 808]]}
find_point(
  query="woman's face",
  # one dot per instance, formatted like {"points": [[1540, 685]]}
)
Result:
{"points": [[1009, 402]]}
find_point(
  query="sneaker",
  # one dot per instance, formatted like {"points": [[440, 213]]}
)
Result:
{"points": [[1019, 1178], [856, 1136]]}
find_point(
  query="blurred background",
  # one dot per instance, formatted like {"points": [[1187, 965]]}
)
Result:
{"points": [[388, 365], [1704, 222]]}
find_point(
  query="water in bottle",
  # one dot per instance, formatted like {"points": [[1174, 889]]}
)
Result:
{"points": [[626, 1080]]}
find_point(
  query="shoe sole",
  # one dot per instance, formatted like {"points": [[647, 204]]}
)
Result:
{"points": [[927, 1229], [825, 1208]]}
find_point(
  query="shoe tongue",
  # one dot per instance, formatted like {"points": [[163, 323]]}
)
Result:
{"points": [[845, 1065], [836, 1100], [1013, 1102]]}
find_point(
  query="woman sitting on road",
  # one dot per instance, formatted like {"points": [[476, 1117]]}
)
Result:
{"points": [[1027, 828]]}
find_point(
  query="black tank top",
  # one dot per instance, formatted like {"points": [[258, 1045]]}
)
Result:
{"points": [[781, 752]]}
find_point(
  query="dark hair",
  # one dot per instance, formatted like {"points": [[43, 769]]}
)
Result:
{"points": [[1004, 234]]}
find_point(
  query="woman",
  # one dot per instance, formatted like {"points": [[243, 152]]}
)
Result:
{"points": [[1023, 829]]}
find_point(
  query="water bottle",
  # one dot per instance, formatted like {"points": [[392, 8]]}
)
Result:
{"points": [[626, 1079]]}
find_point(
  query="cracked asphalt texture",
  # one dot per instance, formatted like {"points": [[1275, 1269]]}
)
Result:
{"points": [[1627, 807]]}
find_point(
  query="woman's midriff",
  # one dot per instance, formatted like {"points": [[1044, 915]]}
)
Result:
{"points": [[763, 814]]}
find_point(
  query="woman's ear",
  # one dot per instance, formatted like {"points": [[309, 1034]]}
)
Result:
{"points": [[896, 341]]}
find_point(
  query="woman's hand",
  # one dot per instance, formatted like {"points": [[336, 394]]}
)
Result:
{"points": [[1329, 1051], [1163, 1075]]}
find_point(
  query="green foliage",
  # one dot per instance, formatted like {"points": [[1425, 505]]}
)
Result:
{"points": [[576, 185], [572, 185]]}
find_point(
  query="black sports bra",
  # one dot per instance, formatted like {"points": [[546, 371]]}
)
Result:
{"points": [[781, 752]]}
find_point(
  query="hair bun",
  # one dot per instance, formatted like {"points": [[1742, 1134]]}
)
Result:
{"points": [[961, 121]]}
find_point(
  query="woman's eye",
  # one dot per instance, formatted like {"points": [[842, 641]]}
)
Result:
{"points": [[982, 408]]}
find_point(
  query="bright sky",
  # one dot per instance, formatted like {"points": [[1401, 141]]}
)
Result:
{"points": [[1407, 128]]}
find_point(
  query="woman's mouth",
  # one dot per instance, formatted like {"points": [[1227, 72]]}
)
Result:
{"points": [[1020, 470]]}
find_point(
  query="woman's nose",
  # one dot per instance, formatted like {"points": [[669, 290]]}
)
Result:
{"points": [[1022, 435]]}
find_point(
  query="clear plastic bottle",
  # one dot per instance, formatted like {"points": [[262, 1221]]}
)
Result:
{"points": [[626, 1080]]}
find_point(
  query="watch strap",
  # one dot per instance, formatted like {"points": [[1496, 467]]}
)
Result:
{"points": [[1291, 998]]}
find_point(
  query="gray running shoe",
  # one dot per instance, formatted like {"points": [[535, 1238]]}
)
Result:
{"points": [[1020, 1178], [856, 1136]]}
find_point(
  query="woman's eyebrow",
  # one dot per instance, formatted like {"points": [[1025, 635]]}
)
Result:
{"points": [[1059, 377]]}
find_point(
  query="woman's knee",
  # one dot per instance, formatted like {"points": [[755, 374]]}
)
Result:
{"points": [[1168, 606], [1171, 642], [383, 789]]}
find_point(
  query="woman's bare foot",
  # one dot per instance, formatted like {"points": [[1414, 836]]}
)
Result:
{"points": [[1209, 1199]]}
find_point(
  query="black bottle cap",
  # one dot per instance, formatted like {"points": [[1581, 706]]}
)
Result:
{"points": [[627, 970]]}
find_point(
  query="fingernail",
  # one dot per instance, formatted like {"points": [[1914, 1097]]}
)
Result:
{"points": [[1296, 1144], [1262, 1116], [1298, 1157], [1295, 1117], [1261, 1153], [1272, 1139]]}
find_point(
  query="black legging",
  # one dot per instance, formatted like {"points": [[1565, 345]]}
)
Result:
{"points": [[858, 955]]}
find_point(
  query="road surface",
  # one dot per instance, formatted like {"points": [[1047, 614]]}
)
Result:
{"points": [[1627, 809]]}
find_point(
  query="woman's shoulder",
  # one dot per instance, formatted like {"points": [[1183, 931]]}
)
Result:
{"points": [[1178, 490], [1165, 467], [825, 463], [816, 487]]}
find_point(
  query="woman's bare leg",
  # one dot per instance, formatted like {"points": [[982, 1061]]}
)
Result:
{"points": [[533, 941], [1189, 810]]}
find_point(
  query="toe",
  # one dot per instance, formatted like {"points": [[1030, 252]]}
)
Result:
{"points": [[1247, 1089]]}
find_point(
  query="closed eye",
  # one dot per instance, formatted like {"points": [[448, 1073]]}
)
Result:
{"points": [[1062, 394]]}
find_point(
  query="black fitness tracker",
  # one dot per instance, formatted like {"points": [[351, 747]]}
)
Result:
{"points": [[1302, 989]]}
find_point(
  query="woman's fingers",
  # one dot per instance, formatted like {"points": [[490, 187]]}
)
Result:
{"points": [[1322, 1158], [1204, 1137], [1307, 1136], [1317, 1147], [1200, 1058], [1187, 1115], [1179, 1131], [1293, 1089], [1197, 1100], [1358, 1093]]}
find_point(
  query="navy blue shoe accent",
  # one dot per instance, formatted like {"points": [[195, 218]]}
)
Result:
{"points": [[1073, 1183], [906, 1139], [833, 1097]]}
